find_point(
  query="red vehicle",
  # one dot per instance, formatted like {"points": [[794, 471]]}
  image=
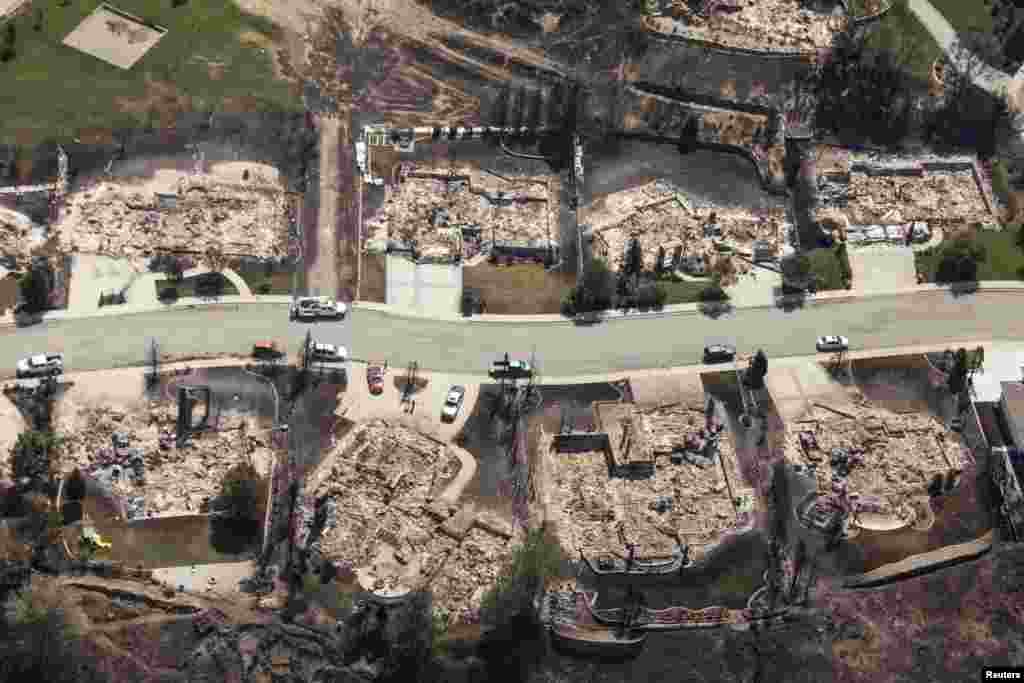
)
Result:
{"points": [[375, 379]]}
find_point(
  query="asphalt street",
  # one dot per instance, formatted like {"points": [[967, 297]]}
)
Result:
{"points": [[562, 349]]}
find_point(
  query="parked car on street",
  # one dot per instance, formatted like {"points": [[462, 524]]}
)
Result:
{"points": [[40, 365], [375, 379], [329, 353], [719, 353], [314, 307], [832, 342], [267, 350], [452, 403], [516, 369]]}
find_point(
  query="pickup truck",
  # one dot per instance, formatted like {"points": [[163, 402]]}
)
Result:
{"points": [[313, 307], [516, 369], [40, 365]]}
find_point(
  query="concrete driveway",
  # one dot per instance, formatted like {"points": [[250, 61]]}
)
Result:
{"points": [[91, 274], [882, 268], [359, 404], [431, 289]]}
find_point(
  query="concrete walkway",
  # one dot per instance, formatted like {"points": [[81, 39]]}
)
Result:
{"points": [[991, 80], [92, 274]]}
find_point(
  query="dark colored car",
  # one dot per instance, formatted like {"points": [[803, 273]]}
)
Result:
{"points": [[719, 353], [375, 379]]}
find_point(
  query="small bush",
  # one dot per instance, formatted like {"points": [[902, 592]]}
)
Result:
{"points": [[244, 491], [569, 304], [713, 293], [74, 489], [264, 288], [169, 294]]}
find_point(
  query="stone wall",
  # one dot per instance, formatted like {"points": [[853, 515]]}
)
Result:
{"points": [[1005, 478]]}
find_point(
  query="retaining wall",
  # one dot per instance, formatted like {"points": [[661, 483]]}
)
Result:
{"points": [[1005, 479], [915, 565]]}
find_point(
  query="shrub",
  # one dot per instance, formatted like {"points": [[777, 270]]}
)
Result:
{"points": [[263, 288], [32, 455], [959, 262], [168, 294], [74, 488], [569, 304], [539, 558], [713, 293], [650, 295], [244, 491]]}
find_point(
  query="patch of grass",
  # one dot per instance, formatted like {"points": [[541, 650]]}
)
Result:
{"points": [[830, 267], [187, 286], [683, 291], [965, 15], [53, 91], [1004, 260], [900, 32], [521, 289], [264, 278]]}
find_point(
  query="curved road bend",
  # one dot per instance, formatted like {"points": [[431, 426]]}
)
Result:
{"points": [[562, 349]]}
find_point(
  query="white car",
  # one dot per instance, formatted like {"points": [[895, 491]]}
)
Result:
{"points": [[329, 352], [452, 403], [313, 307], [40, 365], [833, 342]]}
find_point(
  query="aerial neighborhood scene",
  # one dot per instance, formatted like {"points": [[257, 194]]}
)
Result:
{"points": [[548, 341]]}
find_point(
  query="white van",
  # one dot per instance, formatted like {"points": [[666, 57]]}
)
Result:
{"points": [[313, 307]]}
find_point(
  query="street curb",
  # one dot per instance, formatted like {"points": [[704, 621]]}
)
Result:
{"points": [[996, 287], [116, 310]]}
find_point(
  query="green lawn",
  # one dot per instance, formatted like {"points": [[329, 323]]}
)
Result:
{"points": [[682, 292], [52, 91], [965, 15], [1004, 260], [187, 287], [277, 280], [901, 33], [827, 266]]}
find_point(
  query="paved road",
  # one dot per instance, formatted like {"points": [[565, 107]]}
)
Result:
{"points": [[563, 349]]}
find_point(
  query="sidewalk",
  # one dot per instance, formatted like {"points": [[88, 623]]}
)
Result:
{"points": [[989, 79], [608, 316]]}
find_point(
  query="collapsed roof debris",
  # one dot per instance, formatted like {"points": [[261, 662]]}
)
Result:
{"points": [[388, 528], [132, 451], [881, 459], [688, 497], [660, 216], [776, 23], [427, 206], [941, 198], [179, 211]]}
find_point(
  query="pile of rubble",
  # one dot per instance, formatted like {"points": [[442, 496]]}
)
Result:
{"points": [[199, 215], [941, 198], [435, 213], [383, 479], [661, 217], [879, 459], [15, 234], [687, 496], [134, 455], [469, 571], [750, 23]]}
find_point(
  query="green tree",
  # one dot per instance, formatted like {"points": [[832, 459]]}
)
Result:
{"points": [[538, 559], [959, 261], [796, 270], [74, 488], [41, 638], [958, 374], [244, 491], [35, 290], [596, 290], [33, 455]]}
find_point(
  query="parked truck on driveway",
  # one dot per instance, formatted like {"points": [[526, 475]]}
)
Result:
{"points": [[40, 365]]}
